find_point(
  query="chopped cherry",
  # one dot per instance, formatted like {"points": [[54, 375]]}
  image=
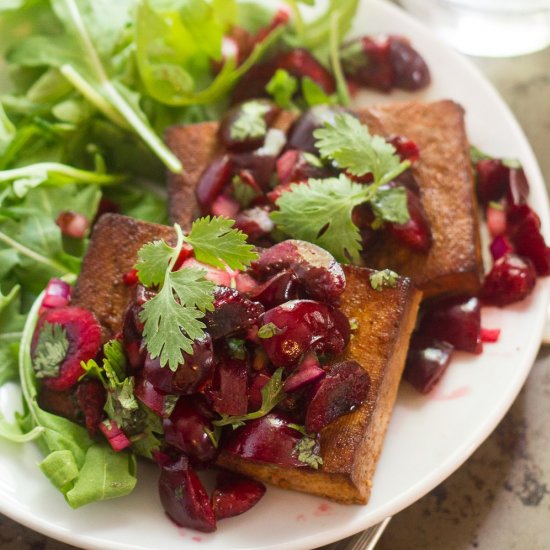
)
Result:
{"points": [[344, 388], [490, 335], [299, 326], [406, 148], [233, 141], [130, 278], [235, 494], [499, 247], [280, 288], [525, 235], [115, 436], [219, 276], [90, 396], [511, 279], [518, 187], [255, 391], [268, 439], [260, 167], [300, 135], [56, 294], [186, 429], [156, 400], [492, 180], [409, 69], [225, 206], [231, 397], [308, 372], [255, 222], [184, 498], [414, 233], [456, 320], [73, 224], [427, 361], [321, 276], [366, 60], [300, 63], [496, 220], [297, 166], [233, 311], [212, 181], [83, 334]]}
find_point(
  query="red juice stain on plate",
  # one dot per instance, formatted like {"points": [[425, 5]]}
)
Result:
{"points": [[196, 539], [300, 517], [322, 510], [454, 394]]}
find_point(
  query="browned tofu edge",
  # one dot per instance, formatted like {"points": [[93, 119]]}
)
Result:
{"points": [[453, 264]]}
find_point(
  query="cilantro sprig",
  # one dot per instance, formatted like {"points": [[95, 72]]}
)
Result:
{"points": [[321, 210], [51, 349], [172, 319]]}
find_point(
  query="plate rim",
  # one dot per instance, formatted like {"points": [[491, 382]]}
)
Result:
{"points": [[11, 508]]}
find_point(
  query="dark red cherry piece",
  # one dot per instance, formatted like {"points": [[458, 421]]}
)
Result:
{"points": [[235, 494]]}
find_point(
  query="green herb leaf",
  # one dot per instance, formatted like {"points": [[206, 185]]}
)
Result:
{"points": [[314, 94], [272, 394], [251, 122], [320, 212], [282, 88], [242, 192], [390, 205], [477, 154], [104, 475], [382, 279], [350, 145], [215, 242], [307, 450], [237, 348], [171, 326], [153, 259], [51, 349], [268, 331], [11, 326]]}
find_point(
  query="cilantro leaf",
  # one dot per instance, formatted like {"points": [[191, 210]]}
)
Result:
{"points": [[320, 212], [153, 258], [282, 88], [390, 205], [251, 122], [307, 450], [215, 242], [381, 279], [272, 394], [351, 146], [50, 350], [268, 331], [170, 327], [314, 94]]}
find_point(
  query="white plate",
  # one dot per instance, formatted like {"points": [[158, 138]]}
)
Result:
{"points": [[429, 437]]}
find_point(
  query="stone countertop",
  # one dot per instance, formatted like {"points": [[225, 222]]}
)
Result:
{"points": [[500, 497]]}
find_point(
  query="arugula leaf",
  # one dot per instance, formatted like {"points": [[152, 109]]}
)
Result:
{"points": [[50, 351], [104, 475], [251, 122], [351, 146], [381, 279], [320, 212], [216, 242], [272, 394], [282, 88], [11, 326]]}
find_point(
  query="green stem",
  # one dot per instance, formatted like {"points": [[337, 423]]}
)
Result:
{"points": [[395, 172], [298, 19], [22, 249], [177, 248], [142, 129], [90, 93], [341, 84], [63, 170]]}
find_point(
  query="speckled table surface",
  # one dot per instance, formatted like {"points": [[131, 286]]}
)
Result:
{"points": [[500, 498]]}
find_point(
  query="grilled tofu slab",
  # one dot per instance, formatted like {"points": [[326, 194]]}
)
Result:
{"points": [[351, 445], [453, 264]]}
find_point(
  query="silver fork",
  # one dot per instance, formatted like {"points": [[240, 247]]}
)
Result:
{"points": [[365, 540]]}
